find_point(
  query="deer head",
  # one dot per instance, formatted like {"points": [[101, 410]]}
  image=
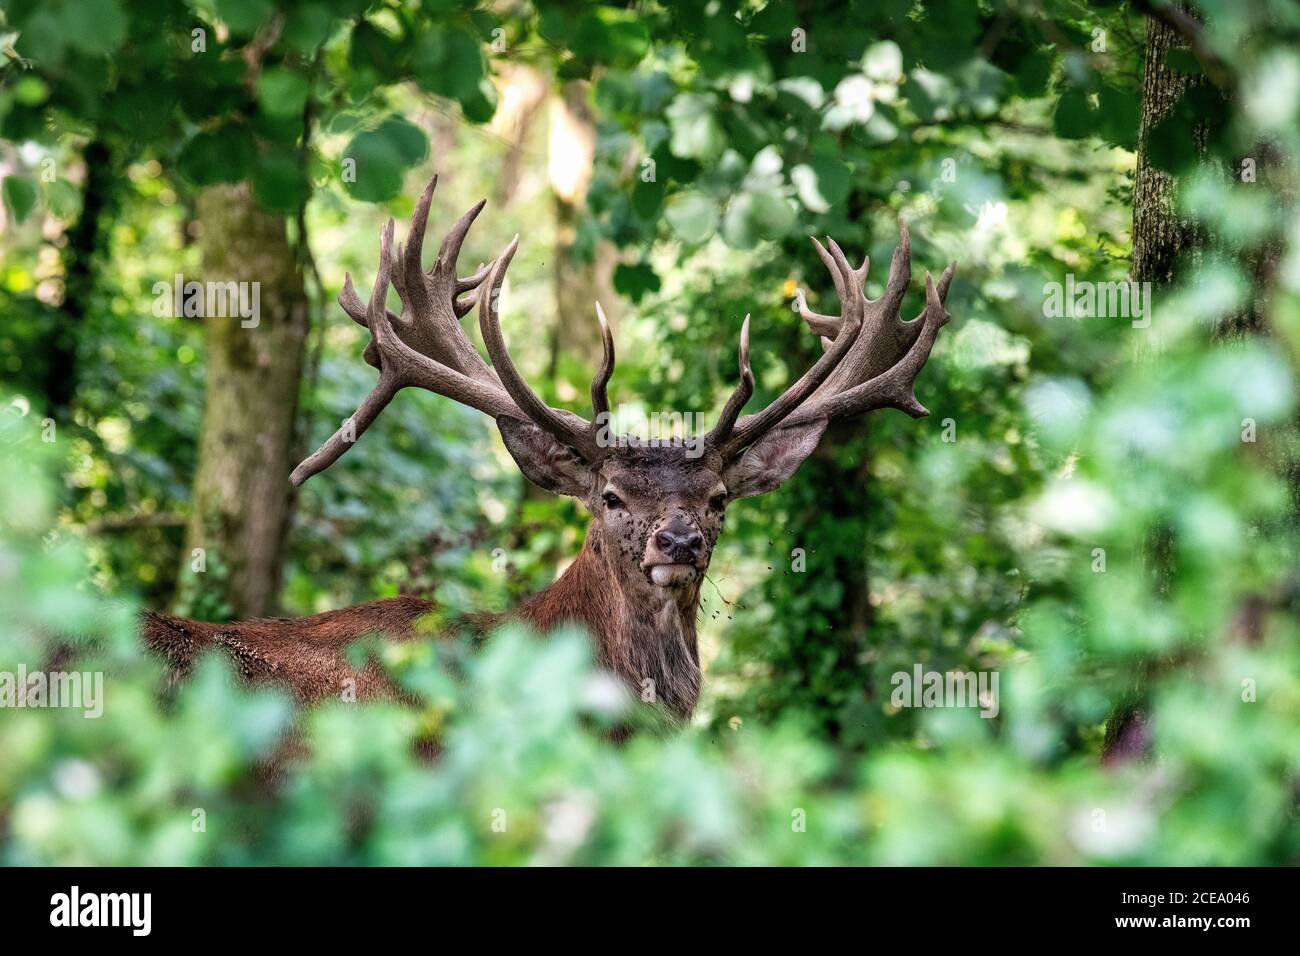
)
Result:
{"points": [[657, 507]]}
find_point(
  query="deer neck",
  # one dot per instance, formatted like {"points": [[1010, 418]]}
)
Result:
{"points": [[644, 634]]}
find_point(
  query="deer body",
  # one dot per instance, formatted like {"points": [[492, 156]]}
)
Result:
{"points": [[647, 639], [657, 507]]}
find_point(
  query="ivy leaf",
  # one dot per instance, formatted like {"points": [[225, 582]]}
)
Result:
{"points": [[634, 281]]}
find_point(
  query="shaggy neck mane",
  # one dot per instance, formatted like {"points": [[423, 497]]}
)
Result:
{"points": [[642, 632]]}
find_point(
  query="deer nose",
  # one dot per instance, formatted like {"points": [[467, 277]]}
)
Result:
{"points": [[679, 542]]}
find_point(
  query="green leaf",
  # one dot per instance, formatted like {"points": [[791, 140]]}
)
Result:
{"points": [[278, 181], [753, 217], [382, 156], [307, 27], [31, 90], [408, 140], [695, 130], [693, 216], [1120, 116], [371, 49], [1170, 143], [634, 281], [244, 16], [282, 92], [647, 198], [19, 196], [481, 105], [219, 156], [449, 61], [822, 183], [94, 26], [616, 38], [1074, 117]]}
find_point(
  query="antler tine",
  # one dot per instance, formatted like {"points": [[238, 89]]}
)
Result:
{"points": [[354, 305], [474, 280], [399, 366], [443, 270], [429, 322], [848, 283], [828, 326], [743, 391], [415, 292], [600, 382], [570, 429], [900, 272], [892, 388], [449, 251], [754, 427], [383, 392]]}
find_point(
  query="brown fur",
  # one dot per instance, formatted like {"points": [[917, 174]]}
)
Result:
{"points": [[305, 654], [643, 633]]}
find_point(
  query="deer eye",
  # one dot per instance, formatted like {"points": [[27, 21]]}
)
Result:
{"points": [[718, 501], [612, 500]]}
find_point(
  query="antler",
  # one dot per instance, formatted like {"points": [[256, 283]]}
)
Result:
{"points": [[574, 431], [430, 319], [871, 356], [426, 347]]}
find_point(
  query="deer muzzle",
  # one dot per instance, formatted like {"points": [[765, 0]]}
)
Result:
{"points": [[675, 554]]}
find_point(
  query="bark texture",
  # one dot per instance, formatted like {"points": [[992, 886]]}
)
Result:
{"points": [[1158, 234], [242, 495]]}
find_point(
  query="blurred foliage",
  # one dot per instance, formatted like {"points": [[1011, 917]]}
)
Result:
{"points": [[726, 134]]}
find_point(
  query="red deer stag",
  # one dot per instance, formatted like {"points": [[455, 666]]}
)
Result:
{"points": [[656, 509]]}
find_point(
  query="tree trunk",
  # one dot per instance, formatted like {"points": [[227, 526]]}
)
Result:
{"points": [[1162, 243], [1158, 234], [580, 279], [242, 497]]}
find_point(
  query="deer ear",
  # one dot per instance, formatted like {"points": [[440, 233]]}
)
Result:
{"points": [[544, 460], [772, 459]]}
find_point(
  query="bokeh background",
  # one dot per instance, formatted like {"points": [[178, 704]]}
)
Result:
{"points": [[1102, 512]]}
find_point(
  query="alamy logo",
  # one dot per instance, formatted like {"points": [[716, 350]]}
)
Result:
{"points": [[922, 688], [75, 908], [218, 300], [667, 429], [1074, 299], [75, 690]]}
